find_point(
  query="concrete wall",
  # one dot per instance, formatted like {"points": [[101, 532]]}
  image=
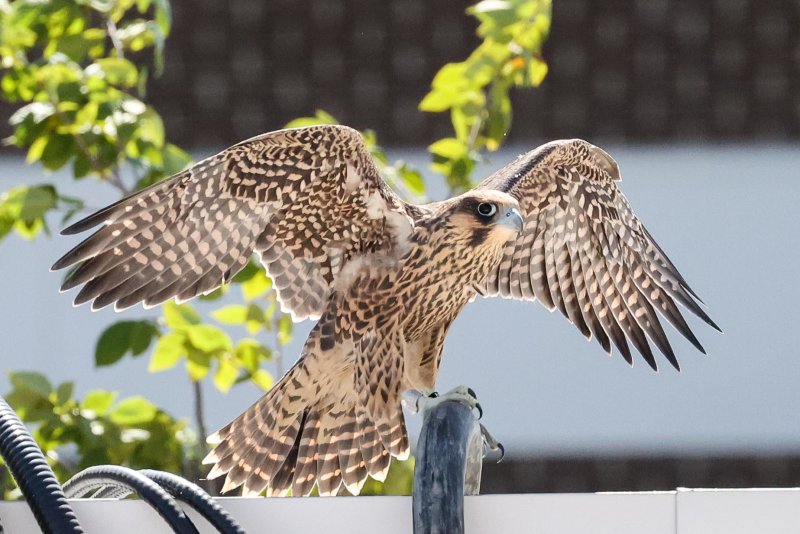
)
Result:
{"points": [[727, 216]]}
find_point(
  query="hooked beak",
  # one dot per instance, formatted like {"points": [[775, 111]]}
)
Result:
{"points": [[511, 219]]}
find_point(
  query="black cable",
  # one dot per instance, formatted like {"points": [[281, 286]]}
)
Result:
{"points": [[112, 492], [150, 492], [36, 480], [184, 491], [194, 496]]}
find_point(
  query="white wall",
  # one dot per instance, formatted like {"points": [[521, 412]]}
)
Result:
{"points": [[727, 216]]}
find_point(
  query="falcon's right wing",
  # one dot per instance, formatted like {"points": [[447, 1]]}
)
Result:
{"points": [[308, 200]]}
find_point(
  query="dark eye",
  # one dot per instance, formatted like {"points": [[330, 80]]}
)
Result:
{"points": [[486, 209]]}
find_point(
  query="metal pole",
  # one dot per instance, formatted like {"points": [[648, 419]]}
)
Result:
{"points": [[448, 466]]}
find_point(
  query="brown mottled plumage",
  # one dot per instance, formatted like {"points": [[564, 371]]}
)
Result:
{"points": [[385, 278]]}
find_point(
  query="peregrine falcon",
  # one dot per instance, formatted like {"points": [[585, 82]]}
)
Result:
{"points": [[384, 279]]}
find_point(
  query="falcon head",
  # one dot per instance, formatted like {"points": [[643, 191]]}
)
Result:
{"points": [[483, 218]]}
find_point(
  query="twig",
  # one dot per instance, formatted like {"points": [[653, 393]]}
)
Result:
{"points": [[113, 178], [112, 33], [199, 417], [278, 354]]}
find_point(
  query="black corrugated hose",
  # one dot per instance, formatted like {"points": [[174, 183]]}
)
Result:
{"points": [[34, 477], [100, 476], [186, 492], [194, 496], [48, 500]]}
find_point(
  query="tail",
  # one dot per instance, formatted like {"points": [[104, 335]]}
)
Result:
{"points": [[306, 430]]}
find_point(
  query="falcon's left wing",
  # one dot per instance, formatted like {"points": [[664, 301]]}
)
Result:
{"points": [[583, 251]]}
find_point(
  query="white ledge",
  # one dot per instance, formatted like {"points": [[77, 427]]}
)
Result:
{"points": [[685, 511]]}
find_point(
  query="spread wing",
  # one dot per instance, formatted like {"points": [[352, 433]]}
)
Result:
{"points": [[582, 250], [308, 200]]}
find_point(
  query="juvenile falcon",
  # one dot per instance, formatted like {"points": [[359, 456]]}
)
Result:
{"points": [[385, 279]]}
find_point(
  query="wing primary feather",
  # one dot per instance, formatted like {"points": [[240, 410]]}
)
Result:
{"points": [[550, 262], [668, 262], [610, 283], [140, 197], [642, 312], [601, 306], [585, 304], [538, 268], [677, 291], [520, 268], [662, 302], [568, 291]]}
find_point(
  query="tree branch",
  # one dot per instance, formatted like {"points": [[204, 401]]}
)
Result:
{"points": [[112, 33], [199, 417]]}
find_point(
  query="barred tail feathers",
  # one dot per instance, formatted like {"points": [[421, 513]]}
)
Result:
{"points": [[308, 430]]}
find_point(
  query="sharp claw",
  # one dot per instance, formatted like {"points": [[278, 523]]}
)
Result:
{"points": [[472, 393], [480, 410], [502, 452], [411, 400]]}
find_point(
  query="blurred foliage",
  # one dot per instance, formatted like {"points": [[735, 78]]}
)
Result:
{"points": [[98, 429], [476, 91], [71, 63], [79, 69], [399, 480]]}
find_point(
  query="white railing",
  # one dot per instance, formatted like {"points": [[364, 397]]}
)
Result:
{"points": [[745, 511]]}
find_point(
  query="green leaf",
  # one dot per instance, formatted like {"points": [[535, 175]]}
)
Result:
{"points": [[180, 315], [262, 379], [35, 112], [63, 393], [58, 150], [256, 286], [499, 121], [321, 117], [36, 149], [214, 295], [117, 71], [198, 363], [437, 101], [98, 401], [537, 70], [163, 15], [448, 148], [112, 345], [141, 334], [249, 353], [34, 382], [133, 411], [412, 179], [168, 352], [151, 127], [226, 375], [250, 270], [175, 159], [488, 6], [81, 166], [28, 203], [285, 327], [256, 319], [74, 46], [123, 337], [208, 338], [234, 314]]}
